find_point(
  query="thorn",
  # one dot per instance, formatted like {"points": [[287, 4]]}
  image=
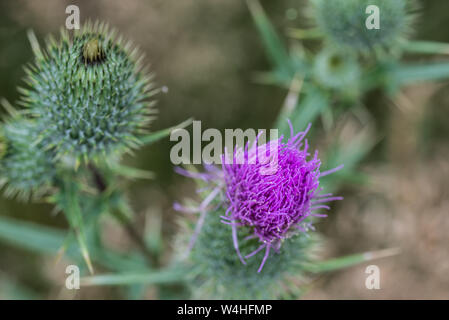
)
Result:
{"points": [[34, 44], [9, 107]]}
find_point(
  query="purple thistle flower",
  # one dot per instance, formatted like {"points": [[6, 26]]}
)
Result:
{"points": [[273, 202]]}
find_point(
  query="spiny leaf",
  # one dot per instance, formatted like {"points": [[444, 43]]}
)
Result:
{"points": [[274, 46], [30, 236], [426, 47], [412, 73], [173, 275], [158, 135], [71, 208], [306, 111], [351, 260], [132, 173], [45, 240]]}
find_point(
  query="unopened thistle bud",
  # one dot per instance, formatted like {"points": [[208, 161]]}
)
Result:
{"points": [[344, 22], [90, 93], [26, 168], [336, 69]]}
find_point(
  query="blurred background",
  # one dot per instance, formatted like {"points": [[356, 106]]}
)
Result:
{"points": [[206, 53]]}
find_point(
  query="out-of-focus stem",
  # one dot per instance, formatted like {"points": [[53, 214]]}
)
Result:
{"points": [[122, 217]]}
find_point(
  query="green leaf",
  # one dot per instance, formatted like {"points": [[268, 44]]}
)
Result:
{"points": [[273, 44], [412, 73], [309, 109], [69, 202], [349, 261], [31, 236], [350, 155], [154, 236], [426, 47], [158, 135], [306, 111], [174, 275], [132, 173], [45, 240]]}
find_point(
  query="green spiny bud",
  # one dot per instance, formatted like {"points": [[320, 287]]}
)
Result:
{"points": [[336, 70], [343, 22], [219, 274], [26, 168], [90, 93]]}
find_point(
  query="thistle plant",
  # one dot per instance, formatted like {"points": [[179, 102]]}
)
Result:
{"points": [[87, 101], [90, 94], [330, 68], [243, 214], [218, 273], [254, 209]]}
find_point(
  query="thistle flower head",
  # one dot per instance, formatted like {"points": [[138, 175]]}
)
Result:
{"points": [[271, 204], [26, 168], [269, 200], [90, 93], [343, 22]]}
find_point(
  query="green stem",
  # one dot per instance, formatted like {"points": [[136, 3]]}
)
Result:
{"points": [[122, 215], [134, 234]]}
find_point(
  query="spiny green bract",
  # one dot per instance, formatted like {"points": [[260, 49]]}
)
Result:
{"points": [[343, 22], [219, 274], [90, 93], [26, 168]]}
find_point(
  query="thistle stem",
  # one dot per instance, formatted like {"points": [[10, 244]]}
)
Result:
{"points": [[124, 220], [135, 235]]}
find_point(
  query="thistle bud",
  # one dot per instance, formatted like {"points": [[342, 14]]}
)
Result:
{"points": [[337, 70], [26, 167], [90, 93], [344, 22]]}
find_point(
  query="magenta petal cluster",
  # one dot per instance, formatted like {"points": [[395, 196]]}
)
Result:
{"points": [[273, 198], [274, 204]]}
